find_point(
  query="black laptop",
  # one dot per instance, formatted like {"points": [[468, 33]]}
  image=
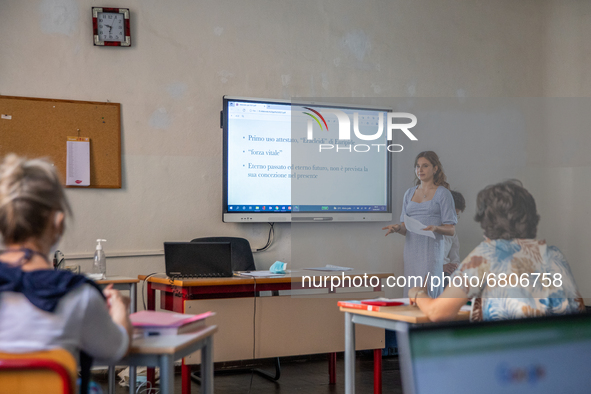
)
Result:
{"points": [[198, 259]]}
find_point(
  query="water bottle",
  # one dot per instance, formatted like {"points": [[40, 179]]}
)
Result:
{"points": [[99, 266]]}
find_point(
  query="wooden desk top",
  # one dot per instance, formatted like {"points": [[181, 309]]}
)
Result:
{"points": [[405, 313], [116, 279], [294, 276], [169, 344]]}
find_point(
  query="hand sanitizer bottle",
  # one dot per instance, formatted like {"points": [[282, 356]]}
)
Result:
{"points": [[99, 265]]}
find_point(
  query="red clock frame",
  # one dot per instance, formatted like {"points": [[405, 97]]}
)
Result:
{"points": [[127, 31]]}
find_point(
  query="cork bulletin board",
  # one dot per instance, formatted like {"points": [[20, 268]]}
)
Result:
{"points": [[37, 127]]}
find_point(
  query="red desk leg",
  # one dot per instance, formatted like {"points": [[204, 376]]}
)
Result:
{"points": [[377, 371], [151, 297], [151, 373], [178, 305], [186, 378], [332, 368]]}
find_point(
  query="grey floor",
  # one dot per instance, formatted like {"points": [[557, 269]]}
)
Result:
{"points": [[304, 375]]}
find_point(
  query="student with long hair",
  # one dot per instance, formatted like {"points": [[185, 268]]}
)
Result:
{"points": [[431, 203], [40, 308]]}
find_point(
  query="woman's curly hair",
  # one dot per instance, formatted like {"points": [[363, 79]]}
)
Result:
{"points": [[506, 211]]}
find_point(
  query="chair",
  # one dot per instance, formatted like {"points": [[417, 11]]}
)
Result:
{"points": [[48, 372], [242, 259]]}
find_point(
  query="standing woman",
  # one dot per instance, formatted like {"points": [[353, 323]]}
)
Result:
{"points": [[431, 203]]}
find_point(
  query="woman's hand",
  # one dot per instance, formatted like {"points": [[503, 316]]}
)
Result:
{"points": [[446, 229], [412, 293], [449, 268], [435, 229], [393, 228]]}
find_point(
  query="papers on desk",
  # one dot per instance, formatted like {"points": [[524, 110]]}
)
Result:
{"points": [[413, 225], [260, 274], [330, 267]]}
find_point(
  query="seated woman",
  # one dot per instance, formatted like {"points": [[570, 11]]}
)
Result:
{"points": [[523, 277], [41, 308]]}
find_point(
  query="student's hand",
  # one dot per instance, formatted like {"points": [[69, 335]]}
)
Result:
{"points": [[118, 309], [435, 229], [412, 293], [115, 301], [449, 268], [393, 228]]}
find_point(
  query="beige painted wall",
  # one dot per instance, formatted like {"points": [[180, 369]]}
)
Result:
{"points": [[187, 54]]}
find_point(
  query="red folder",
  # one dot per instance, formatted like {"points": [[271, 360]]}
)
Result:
{"points": [[382, 303]]}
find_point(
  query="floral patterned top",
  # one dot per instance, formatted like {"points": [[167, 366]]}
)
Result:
{"points": [[517, 278]]}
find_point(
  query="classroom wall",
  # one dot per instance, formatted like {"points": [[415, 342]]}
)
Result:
{"points": [[187, 54], [561, 172]]}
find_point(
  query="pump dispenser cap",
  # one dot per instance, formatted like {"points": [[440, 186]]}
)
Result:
{"points": [[98, 245]]}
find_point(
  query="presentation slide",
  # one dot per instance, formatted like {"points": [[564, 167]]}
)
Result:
{"points": [[273, 164]]}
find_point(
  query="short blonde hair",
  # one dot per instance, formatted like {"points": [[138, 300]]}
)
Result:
{"points": [[30, 191]]}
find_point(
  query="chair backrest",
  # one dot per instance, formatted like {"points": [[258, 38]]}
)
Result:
{"points": [[242, 258], [47, 372]]}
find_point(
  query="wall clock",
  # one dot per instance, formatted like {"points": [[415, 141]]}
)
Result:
{"points": [[111, 26]]}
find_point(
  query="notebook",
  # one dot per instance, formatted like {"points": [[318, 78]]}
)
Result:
{"points": [[198, 259], [151, 323], [165, 318]]}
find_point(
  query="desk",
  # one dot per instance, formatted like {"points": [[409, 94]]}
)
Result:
{"points": [[311, 321], [394, 318], [122, 283], [162, 351]]}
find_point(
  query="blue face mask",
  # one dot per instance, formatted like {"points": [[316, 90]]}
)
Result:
{"points": [[278, 267]]}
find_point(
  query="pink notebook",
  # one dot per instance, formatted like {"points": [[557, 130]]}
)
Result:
{"points": [[164, 319]]}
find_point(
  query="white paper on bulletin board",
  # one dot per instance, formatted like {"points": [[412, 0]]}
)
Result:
{"points": [[78, 161]]}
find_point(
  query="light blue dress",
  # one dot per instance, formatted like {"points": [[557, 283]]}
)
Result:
{"points": [[424, 254]]}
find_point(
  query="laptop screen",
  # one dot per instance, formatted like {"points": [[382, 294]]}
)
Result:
{"points": [[198, 259], [543, 355]]}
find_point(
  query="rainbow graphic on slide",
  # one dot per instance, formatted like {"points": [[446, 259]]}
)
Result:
{"points": [[315, 118]]}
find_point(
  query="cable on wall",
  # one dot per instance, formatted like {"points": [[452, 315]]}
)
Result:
{"points": [[270, 238]]}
